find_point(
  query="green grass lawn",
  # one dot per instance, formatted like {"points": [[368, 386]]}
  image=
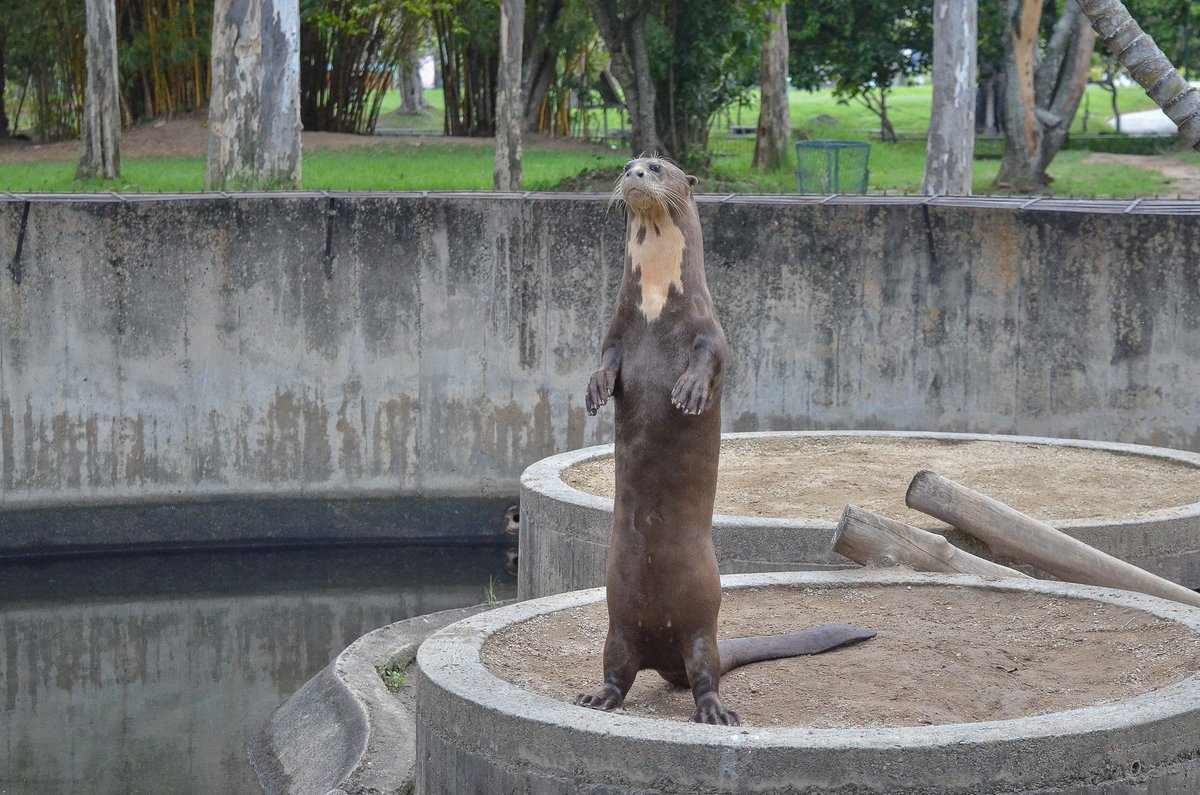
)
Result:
{"points": [[395, 166], [399, 165]]}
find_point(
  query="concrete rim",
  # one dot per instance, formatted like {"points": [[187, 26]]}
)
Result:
{"points": [[450, 660], [545, 476]]}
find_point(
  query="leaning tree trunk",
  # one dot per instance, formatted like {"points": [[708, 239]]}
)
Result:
{"points": [[254, 115], [774, 126], [1040, 97], [100, 149], [625, 36], [506, 174], [1147, 65], [950, 149]]}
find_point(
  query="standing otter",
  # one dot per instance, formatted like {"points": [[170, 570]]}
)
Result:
{"points": [[663, 362]]}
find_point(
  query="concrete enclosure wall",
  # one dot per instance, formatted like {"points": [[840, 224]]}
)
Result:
{"points": [[352, 345]]}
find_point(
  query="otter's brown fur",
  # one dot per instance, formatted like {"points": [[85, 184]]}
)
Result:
{"points": [[663, 362]]}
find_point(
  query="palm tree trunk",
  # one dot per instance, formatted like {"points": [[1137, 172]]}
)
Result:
{"points": [[1147, 65]]}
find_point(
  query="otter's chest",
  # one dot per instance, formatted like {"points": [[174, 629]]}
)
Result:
{"points": [[655, 246]]}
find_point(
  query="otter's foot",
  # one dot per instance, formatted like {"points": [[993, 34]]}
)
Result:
{"points": [[606, 698], [691, 392], [600, 389], [709, 709]]}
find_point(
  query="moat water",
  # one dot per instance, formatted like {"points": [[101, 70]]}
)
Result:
{"points": [[148, 673]]}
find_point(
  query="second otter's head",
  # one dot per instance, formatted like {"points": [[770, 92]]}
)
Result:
{"points": [[650, 185]]}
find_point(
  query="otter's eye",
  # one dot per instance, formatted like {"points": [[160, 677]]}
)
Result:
{"points": [[655, 167]]}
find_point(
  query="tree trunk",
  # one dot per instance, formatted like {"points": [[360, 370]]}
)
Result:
{"points": [[3, 84], [625, 36], [100, 150], [254, 115], [989, 120], [506, 174], [1040, 98], [774, 126], [950, 149], [1147, 65], [412, 91], [539, 88]]}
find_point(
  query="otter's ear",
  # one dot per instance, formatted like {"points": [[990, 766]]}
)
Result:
{"points": [[692, 180]]}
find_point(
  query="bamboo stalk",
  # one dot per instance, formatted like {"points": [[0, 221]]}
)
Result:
{"points": [[1015, 536]]}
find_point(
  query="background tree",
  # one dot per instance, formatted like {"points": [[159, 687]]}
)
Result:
{"points": [[1045, 76], [774, 125], [622, 24], [862, 47], [100, 152], [950, 147], [5, 6], [348, 51], [506, 173], [562, 60], [254, 116], [163, 47], [468, 49], [989, 60], [415, 33], [45, 61], [678, 64], [1148, 65]]}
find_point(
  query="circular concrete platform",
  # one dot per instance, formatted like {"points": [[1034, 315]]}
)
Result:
{"points": [[479, 733], [564, 530]]}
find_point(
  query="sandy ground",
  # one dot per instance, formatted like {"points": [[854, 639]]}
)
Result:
{"points": [[942, 655], [817, 477]]}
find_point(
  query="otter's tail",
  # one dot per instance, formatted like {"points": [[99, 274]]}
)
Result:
{"points": [[736, 652]]}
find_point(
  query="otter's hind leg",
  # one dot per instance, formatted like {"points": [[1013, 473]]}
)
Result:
{"points": [[704, 674], [621, 664]]}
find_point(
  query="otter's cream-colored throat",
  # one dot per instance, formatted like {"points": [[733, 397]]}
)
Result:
{"points": [[655, 247]]}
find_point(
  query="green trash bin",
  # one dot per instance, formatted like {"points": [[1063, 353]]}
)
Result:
{"points": [[832, 166]]}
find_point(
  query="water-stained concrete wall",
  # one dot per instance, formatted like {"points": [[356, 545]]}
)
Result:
{"points": [[343, 345]]}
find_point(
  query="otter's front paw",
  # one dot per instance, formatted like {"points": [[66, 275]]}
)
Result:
{"points": [[600, 389], [606, 698], [690, 394]]}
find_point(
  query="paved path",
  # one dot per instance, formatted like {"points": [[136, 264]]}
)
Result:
{"points": [[1146, 122]]}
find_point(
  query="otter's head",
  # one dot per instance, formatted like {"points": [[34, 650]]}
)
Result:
{"points": [[650, 185]]}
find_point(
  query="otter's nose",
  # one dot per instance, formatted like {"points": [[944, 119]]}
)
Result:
{"points": [[641, 172]]}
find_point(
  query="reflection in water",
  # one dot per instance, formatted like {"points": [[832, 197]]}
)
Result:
{"points": [[149, 673]]}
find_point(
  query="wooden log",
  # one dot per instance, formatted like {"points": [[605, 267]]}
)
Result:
{"points": [[867, 538], [1013, 535]]}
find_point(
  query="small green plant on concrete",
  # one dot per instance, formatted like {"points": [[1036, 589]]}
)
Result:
{"points": [[394, 676], [489, 593]]}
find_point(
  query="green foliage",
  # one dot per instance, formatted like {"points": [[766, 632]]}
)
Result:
{"points": [[703, 58], [860, 47], [163, 53], [348, 50], [1175, 27], [45, 65], [394, 676], [469, 50]]}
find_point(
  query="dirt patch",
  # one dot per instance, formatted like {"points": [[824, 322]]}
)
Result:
{"points": [[1184, 177], [816, 477], [187, 136], [943, 655]]}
